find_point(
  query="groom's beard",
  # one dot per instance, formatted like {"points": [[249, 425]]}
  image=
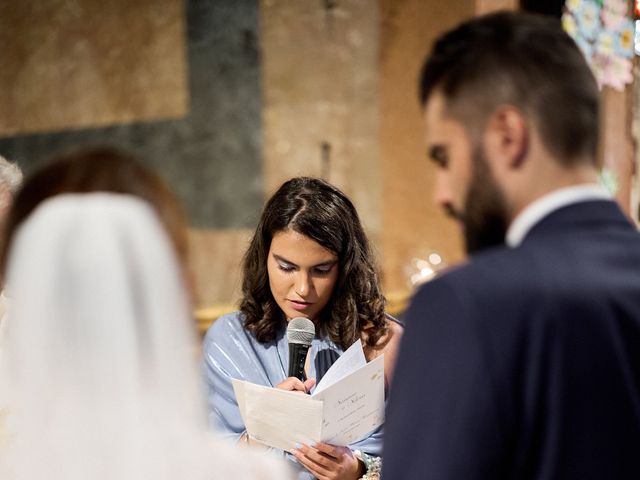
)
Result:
{"points": [[485, 216]]}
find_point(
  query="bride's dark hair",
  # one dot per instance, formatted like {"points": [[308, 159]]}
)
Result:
{"points": [[323, 213], [97, 169]]}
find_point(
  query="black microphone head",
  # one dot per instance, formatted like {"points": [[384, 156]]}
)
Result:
{"points": [[301, 330]]}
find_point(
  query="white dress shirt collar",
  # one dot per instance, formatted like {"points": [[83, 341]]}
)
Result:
{"points": [[543, 206]]}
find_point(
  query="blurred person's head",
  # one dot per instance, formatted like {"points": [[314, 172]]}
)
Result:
{"points": [[99, 170], [97, 368], [310, 257], [10, 182], [98, 373], [511, 110]]}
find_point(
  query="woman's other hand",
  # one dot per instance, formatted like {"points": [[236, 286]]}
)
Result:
{"points": [[294, 384], [328, 462]]}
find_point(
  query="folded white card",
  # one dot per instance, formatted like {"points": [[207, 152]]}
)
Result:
{"points": [[346, 406]]}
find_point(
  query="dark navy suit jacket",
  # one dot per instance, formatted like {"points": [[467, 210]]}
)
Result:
{"points": [[525, 362]]}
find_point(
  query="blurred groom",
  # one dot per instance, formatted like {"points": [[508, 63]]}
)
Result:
{"points": [[524, 363]]}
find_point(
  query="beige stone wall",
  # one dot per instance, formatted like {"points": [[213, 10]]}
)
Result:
{"points": [[617, 143], [70, 64], [320, 111], [339, 87], [413, 225], [215, 263], [486, 6]]}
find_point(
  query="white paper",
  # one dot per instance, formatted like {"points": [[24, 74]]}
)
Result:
{"points": [[344, 409], [279, 418], [352, 359], [353, 407]]}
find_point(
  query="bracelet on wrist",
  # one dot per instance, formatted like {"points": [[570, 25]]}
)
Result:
{"points": [[372, 465]]}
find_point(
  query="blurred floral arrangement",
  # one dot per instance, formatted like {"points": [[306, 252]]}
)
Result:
{"points": [[605, 33], [421, 270]]}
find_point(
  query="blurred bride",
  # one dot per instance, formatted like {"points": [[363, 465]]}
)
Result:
{"points": [[98, 368]]}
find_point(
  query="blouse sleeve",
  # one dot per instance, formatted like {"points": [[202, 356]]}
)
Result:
{"points": [[228, 354], [372, 445]]}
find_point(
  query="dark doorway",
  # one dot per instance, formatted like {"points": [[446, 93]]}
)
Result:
{"points": [[546, 7]]}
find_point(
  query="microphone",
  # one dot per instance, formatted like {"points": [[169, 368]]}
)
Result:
{"points": [[300, 333]]}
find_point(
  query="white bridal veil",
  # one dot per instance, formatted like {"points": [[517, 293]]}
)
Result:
{"points": [[99, 362]]}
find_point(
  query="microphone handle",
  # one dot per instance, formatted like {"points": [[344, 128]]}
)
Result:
{"points": [[297, 359]]}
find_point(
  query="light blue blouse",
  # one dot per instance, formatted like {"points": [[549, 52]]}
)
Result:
{"points": [[230, 351]]}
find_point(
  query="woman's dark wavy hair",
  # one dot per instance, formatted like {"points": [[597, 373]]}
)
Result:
{"points": [[320, 211]]}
